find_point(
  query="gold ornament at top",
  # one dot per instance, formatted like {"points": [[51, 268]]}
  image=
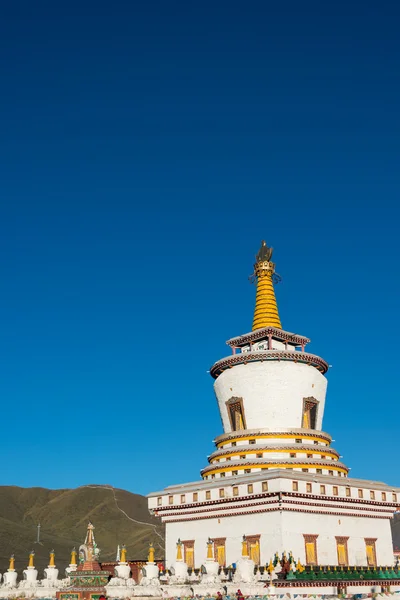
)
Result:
{"points": [[52, 562], [31, 556], [210, 555], [266, 310], [179, 550], [12, 563], [73, 556], [245, 548], [150, 557], [123, 554]]}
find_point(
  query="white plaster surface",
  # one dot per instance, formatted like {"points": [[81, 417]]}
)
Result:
{"points": [[272, 393], [284, 531]]}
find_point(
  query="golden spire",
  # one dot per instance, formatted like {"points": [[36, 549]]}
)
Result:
{"points": [[30, 564], [179, 550], [270, 567], [266, 310], [123, 554], [245, 548], [210, 549], [73, 556], [52, 562], [12, 563], [150, 557]]}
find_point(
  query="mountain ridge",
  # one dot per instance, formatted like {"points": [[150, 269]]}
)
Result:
{"points": [[120, 517]]}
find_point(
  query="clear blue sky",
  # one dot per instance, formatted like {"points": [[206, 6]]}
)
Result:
{"points": [[146, 148]]}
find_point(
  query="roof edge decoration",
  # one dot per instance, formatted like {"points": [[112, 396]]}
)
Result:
{"points": [[260, 334], [266, 355]]}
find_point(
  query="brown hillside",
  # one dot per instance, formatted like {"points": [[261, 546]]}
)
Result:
{"points": [[119, 517]]}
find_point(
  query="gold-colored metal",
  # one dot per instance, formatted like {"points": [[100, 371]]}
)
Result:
{"points": [[266, 309]]}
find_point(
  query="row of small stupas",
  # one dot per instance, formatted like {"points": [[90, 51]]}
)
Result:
{"points": [[87, 579]]}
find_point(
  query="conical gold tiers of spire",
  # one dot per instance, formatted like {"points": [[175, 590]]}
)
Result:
{"points": [[266, 310]]}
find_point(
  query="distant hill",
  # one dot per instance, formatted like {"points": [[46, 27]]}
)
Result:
{"points": [[119, 517]]}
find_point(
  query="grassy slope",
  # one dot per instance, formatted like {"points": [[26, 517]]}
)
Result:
{"points": [[64, 514]]}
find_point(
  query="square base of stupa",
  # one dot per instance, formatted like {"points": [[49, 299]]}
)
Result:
{"points": [[277, 509]]}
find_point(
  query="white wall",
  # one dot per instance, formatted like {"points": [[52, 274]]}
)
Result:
{"points": [[272, 393], [284, 531]]}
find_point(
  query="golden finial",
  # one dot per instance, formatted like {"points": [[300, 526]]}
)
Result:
{"points": [[12, 563], [270, 567], [30, 564], [245, 547], [150, 557], [266, 310], [73, 556], [52, 562], [299, 567], [123, 554], [179, 550], [210, 549]]}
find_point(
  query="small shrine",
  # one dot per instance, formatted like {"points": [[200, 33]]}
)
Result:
{"points": [[88, 581]]}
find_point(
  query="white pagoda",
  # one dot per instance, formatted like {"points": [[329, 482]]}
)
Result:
{"points": [[274, 480]]}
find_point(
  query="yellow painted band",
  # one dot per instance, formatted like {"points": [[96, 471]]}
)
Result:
{"points": [[269, 435], [234, 467], [277, 450]]}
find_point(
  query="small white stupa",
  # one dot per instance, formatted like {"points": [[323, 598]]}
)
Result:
{"points": [[120, 586], [211, 566], [51, 573], [10, 576], [30, 573], [48, 587], [179, 567], [244, 566], [73, 564], [150, 570]]}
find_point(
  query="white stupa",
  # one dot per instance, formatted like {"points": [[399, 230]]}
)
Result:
{"points": [[273, 474]]}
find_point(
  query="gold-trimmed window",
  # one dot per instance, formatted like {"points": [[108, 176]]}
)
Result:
{"points": [[235, 410], [253, 548], [159, 501], [208, 495], [370, 550], [219, 551], [188, 547], [222, 493], [310, 543], [170, 499], [310, 408], [265, 486], [372, 495], [195, 496], [342, 554], [235, 490]]}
